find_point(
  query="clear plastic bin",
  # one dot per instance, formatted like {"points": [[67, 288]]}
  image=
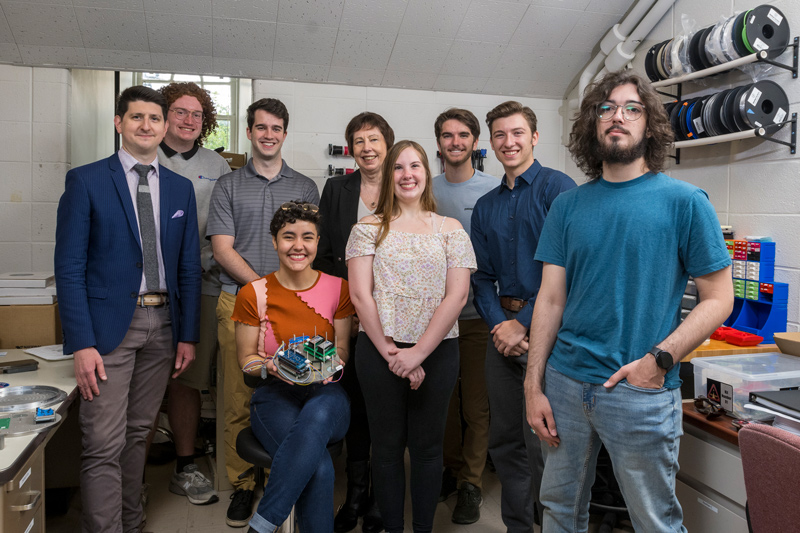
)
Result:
{"points": [[739, 375]]}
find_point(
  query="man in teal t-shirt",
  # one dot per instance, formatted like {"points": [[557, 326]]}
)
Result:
{"points": [[606, 334]]}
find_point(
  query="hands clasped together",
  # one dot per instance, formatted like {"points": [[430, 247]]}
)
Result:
{"points": [[404, 362]]}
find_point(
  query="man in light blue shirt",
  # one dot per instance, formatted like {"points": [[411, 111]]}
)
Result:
{"points": [[456, 192]]}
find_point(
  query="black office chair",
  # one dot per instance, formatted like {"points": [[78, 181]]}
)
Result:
{"points": [[250, 449]]}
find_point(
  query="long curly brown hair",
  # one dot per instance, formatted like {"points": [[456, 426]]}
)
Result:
{"points": [[175, 90], [583, 141], [387, 208]]}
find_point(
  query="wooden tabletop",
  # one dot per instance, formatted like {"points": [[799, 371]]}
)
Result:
{"points": [[714, 348], [721, 427]]}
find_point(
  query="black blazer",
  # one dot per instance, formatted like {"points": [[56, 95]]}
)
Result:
{"points": [[338, 206]]}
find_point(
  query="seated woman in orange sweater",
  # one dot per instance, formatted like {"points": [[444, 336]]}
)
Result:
{"points": [[294, 423]]}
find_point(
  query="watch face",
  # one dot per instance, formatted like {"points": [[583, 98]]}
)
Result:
{"points": [[664, 360]]}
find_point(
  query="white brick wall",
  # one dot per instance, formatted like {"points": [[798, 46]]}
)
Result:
{"points": [[318, 115], [34, 156]]}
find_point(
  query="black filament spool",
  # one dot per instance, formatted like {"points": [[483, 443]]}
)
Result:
{"points": [[695, 48], [725, 118], [673, 120], [735, 112], [766, 28], [763, 104]]}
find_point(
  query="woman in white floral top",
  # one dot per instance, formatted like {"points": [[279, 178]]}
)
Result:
{"points": [[409, 274]]}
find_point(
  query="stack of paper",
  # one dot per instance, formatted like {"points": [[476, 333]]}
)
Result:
{"points": [[27, 288]]}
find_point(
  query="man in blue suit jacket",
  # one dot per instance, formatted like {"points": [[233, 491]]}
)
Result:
{"points": [[124, 327]]}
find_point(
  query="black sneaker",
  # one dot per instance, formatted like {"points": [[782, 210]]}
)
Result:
{"points": [[468, 508], [241, 508], [449, 485]]}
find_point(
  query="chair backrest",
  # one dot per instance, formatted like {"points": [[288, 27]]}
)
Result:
{"points": [[771, 463]]}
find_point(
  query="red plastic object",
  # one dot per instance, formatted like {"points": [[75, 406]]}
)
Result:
{"points": [[740, 338], [721, 333]]}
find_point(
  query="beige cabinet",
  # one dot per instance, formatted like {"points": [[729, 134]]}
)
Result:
{"points": [[22, 498]]}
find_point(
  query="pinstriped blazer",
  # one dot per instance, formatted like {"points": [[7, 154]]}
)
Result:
{"points": [[98, 256]]}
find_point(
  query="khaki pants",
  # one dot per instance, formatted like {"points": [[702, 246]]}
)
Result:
{"points": [[237, 394], [466, 460]]}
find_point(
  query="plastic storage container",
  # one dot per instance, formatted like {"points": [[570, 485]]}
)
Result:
{"points": [[734, 377]]}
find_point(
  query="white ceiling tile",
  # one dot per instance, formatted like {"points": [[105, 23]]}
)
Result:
{"points": [[355, 76], [434, 18], [330, 91], [179, 34], [424, 54], [118, 59], [299, 72], [33, 24], [409, 79], [182, 64], [9, 53], [179, 7], [49, 2], [472, 59], [566, 4], [242, 68], [266, 10], [545, 26], [491, 21], [533, 63], [312, 45], [615, 7], [5, 32], [65, 56], [460, 84], [590, 28], [130, 5], [244, 39], [363, 49], [112, 29], [542, 89], [311, 12], [372, 15]]}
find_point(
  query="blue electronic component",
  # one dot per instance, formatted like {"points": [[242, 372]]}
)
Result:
{"points": [[292, 362], [44, 415]]}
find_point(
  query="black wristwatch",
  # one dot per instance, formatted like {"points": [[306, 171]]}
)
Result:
{"points": [[663, 359]]}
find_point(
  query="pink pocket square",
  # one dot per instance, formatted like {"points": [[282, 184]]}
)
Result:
{"points": [[179, 213]]}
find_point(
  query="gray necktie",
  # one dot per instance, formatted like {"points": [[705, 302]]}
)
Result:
{"points": [[147, 227]]}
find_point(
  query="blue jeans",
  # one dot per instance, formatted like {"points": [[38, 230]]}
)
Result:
{"points": [[640, 429], [295, 425]]}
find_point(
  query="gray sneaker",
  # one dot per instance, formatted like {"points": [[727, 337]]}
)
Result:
{"points": [[194, 485]]}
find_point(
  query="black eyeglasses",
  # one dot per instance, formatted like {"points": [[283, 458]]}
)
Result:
{"points": [[630, 112], [305, 206], [708, 407]]}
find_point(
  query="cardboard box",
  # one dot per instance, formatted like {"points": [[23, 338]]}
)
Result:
{"points": [[24, 326], [235, 161]]}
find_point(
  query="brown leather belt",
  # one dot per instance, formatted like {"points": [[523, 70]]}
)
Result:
{"points": [[152, 299], [512, 304]]}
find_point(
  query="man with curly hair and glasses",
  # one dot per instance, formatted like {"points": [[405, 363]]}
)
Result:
{"points": [[192, 117], [606, 335]]}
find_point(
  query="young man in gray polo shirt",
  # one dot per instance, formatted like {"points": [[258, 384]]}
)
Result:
{"points": [[456, 192], [242, 206], [192, 117]]}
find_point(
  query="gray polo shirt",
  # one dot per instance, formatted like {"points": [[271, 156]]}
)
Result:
{"points": [[243, 204]]}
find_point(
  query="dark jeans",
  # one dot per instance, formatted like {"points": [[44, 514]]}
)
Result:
{"points": [[357, 438], [400, 417], [295, 425], [515, 451]]}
